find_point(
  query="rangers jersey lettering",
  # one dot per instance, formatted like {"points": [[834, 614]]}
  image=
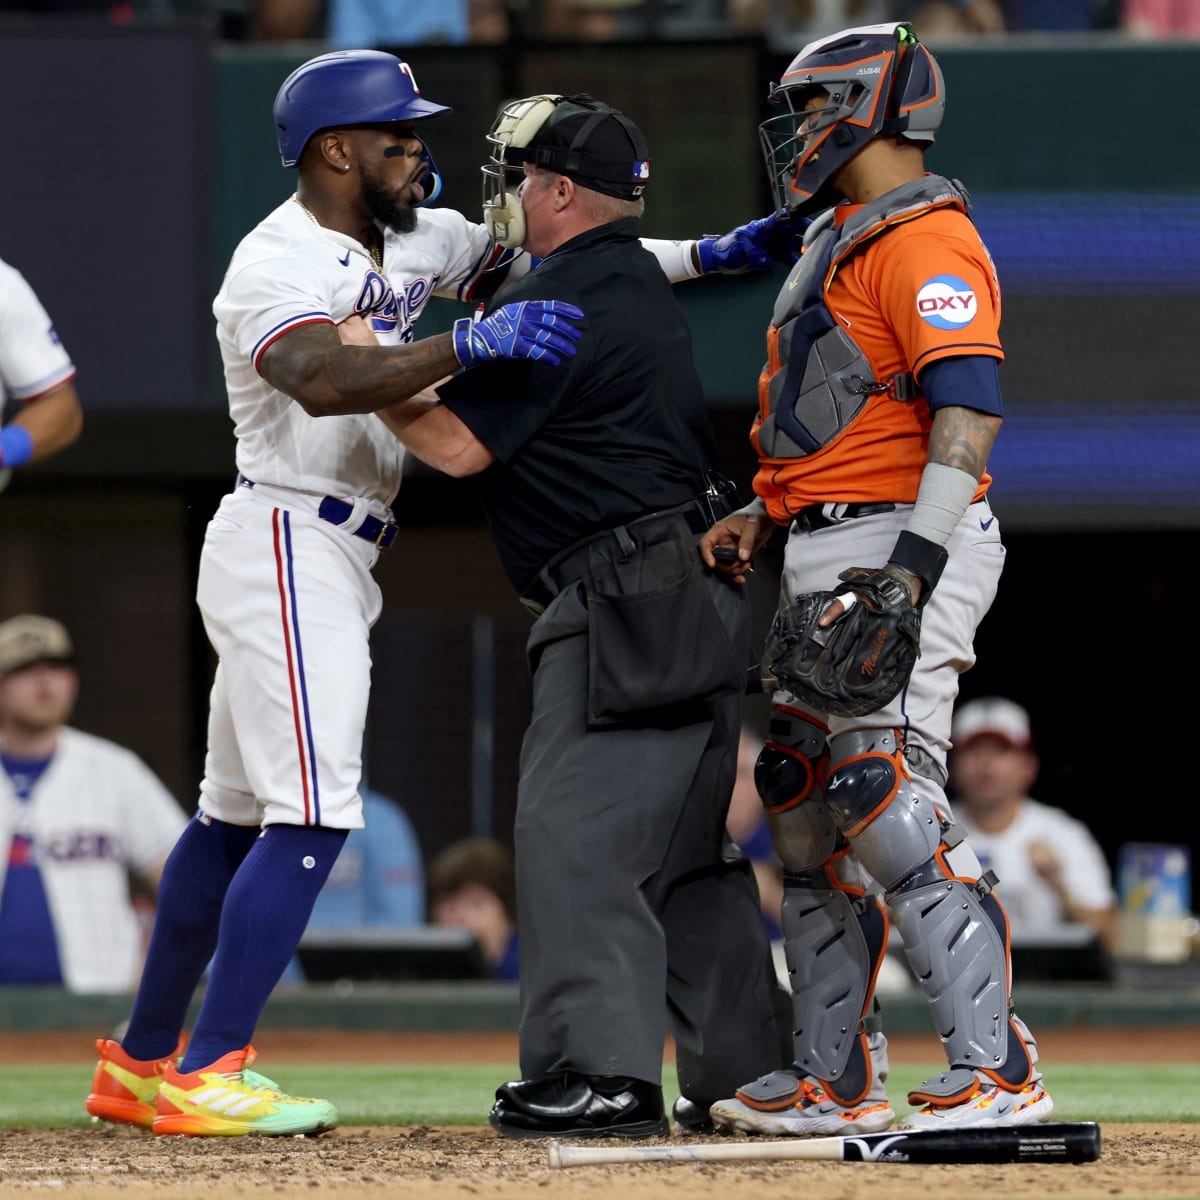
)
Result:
{"points": [[96, 812], [289, 272]]}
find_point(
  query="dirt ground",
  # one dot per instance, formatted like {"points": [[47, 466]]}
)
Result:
{"points": [[1137, 1161]]}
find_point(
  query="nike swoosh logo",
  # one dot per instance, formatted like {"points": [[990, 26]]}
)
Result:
{"points": [[345, 261], [986, 525]]}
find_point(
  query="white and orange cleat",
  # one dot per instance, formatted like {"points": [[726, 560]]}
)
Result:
{"points": [[964, 1099]]}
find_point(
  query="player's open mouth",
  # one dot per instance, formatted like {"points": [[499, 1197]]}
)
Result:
{"points": [[418, 192]]}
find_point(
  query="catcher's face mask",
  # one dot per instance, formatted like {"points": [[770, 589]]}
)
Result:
{"points": [[873, 80], [503, 174]]}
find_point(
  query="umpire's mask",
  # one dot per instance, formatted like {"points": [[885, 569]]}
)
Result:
{"points": [[576, 136]]}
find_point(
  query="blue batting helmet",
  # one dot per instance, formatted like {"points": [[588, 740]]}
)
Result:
{"points": [[347, 87], [875, 80]]}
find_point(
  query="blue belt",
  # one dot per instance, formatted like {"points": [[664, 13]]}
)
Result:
{"points": [[338, 512]]}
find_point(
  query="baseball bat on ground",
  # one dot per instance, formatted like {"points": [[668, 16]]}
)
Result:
{"points": [[1071, 1142]]}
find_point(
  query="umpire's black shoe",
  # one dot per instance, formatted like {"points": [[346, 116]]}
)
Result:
{"points": [[567, 1104], [690, 1118]]}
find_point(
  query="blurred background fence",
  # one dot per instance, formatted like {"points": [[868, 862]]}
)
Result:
{"points": [[142, 153]]}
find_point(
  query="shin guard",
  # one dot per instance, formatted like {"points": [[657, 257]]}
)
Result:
{"points": [[834, 940]]}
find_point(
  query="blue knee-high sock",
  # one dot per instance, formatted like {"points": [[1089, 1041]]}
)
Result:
{"points": [[195, 879], [266, 909]]}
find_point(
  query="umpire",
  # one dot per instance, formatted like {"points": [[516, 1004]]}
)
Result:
{"points": [[597, 478]]}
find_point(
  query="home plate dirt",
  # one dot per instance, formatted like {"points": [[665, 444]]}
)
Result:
{"points": [[422, 1163]]}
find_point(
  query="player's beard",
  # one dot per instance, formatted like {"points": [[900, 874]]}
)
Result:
{"points": [[382, 204]]}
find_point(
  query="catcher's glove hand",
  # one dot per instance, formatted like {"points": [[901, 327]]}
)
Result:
{"points": [[859, 663]]}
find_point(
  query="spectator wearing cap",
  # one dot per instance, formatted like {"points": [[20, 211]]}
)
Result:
{"points": [[78, 815], [1051, 869]]}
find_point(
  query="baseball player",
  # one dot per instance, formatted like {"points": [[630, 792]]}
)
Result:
{"points": [[77, 814], [36, 372], [285, 585], [878, 407]]}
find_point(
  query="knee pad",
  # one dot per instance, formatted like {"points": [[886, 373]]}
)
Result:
{"points": [[790, 776], [956, 941], [834, 940], [893, 827]]}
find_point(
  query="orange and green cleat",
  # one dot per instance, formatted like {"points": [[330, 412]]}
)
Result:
{"points": [[124, 1089], [227, 1099]]}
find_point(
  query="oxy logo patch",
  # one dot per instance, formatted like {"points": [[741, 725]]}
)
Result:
{"points": [[947, 302]]}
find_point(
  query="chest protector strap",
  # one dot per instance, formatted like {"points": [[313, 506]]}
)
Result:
{"points": [[826, 379]]}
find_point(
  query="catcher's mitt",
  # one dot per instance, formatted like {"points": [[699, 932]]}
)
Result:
{"points": [[857, 664]]}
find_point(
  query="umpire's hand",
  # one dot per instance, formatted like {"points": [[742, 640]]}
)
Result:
{"points": [[733, 541]]}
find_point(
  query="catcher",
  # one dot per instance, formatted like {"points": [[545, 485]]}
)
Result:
{"points": [[878, 407]]}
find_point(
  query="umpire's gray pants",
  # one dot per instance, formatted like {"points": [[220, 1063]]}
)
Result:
{"points": [[630, 921]]}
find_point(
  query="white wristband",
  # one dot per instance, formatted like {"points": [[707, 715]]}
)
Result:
{"points": [[675, 258], [942, 499]]}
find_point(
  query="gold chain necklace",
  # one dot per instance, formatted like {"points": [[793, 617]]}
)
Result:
{"points": [[375, 259]]}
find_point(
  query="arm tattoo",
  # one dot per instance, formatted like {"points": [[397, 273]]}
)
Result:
{"points": [[327, 378], [962, 438]]}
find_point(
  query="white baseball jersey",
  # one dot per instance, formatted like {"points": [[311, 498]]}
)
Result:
{"points": [[288, 272], [1031, 902], [288, 599], [32, 359], [96, 812]]}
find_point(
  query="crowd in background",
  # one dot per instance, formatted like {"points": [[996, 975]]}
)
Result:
{"points": [[360, 23]]}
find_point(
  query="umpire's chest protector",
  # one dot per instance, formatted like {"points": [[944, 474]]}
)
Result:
{"points": [[818, 379]]}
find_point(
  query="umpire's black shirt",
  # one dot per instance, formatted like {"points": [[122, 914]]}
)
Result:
{"points": [[614, 433]]}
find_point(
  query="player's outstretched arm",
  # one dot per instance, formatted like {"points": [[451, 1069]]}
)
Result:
{"points": [[327, 377], [755, 246]]}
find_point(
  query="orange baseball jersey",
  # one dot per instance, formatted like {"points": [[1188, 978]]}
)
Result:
{"points": [[919, 290]]}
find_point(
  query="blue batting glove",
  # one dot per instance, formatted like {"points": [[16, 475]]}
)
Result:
{"points": [[754, 246], [540, 330]]}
